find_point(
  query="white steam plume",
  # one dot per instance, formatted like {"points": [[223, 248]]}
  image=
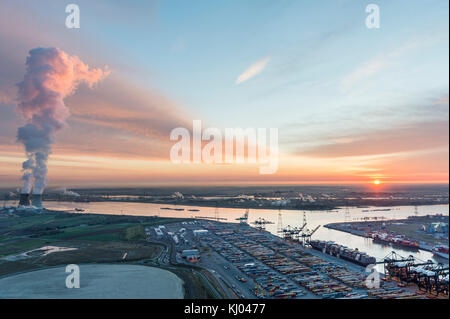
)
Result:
{"points": [[51, 75]]}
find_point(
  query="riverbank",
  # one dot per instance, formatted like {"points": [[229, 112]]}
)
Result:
{"points": [[255, 205]]}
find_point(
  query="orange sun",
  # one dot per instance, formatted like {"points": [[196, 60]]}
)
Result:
{"points": [[377, 182]]}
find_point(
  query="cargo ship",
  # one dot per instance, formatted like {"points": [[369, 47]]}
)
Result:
{"points": [[395, 240], [352, 255], [441, 251]]}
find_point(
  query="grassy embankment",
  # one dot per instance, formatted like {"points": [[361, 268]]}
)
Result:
{"points": [[98, 238]]}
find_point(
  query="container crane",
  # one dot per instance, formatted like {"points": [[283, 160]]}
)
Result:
{"points": [[292, 233], [305, 236], [243, 219], [289, 233], [261, 223], [431, 277]]}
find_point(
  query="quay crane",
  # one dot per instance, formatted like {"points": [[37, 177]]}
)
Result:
{"points": [[244, 219], [291, 233], [432, 279], [393, 261], [306, 235], [301, 234], [261, 223], [427, 275]]}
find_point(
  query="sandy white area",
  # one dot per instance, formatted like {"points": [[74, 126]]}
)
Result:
{"points": [[96, 281]]}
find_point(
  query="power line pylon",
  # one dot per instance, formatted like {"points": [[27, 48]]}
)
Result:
{"points": [[280, 224], [216, 214], [347, 214], [304, 219]]}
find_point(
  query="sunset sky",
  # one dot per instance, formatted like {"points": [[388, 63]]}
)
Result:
{"points": [[351, 104]]}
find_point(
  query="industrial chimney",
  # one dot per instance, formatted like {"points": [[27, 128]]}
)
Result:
{"points": [[24, 199]]}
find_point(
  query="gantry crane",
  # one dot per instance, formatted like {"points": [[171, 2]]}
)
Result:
{"points": [[289, 233], [305, 236], [292, 233], [431, 277], [243, 219], [261, 223]]}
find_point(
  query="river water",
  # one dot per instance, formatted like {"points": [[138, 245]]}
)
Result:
{"points": [[288, 217]]}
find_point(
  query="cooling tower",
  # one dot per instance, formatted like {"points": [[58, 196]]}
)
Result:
{"points": [[24, 200], [36, 200]]}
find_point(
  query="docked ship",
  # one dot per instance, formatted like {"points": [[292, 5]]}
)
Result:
{"points": [[441, 251], [352, 255], [395, 240]]}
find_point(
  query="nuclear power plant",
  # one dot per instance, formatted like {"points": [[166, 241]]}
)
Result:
{"points": [[24, 200], [47, 114], [33, 200], [36, 200]]}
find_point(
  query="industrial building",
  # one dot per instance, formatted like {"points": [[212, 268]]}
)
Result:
{"points": [[438, 227], [158, 232], [191, 255], [200, 232], [35, 200]]}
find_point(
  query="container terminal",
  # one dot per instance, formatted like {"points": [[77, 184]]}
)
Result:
{"points": [[249, 262], [253, 263]]}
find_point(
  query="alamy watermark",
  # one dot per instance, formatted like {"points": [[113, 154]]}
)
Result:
{"points": [[236, 145], [373, 279], [373, 19], [73, 19], [73, 279]]}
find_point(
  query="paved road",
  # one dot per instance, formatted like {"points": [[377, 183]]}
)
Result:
{"points": [[168, 259], [217, 263]]}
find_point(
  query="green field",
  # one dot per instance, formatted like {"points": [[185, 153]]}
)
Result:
{"points": [[27, 230], [96, 238]]}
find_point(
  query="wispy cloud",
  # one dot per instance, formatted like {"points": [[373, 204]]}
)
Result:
{"points": [[381, 62], [442, 101], [253, 70], [405, 138]]}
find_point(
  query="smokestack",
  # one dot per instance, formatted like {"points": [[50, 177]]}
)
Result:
{"points": [[24, 199], [36, 200]]}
